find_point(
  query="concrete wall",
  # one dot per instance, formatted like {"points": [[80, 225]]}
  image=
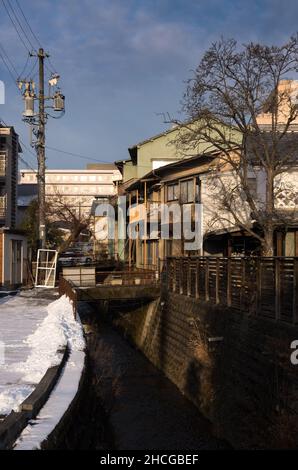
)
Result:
{"points": [[245, 383]]}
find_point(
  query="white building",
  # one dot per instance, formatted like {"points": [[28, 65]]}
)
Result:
{"points": [[77, 188]]}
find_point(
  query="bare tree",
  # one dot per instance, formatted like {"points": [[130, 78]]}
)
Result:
{"points": [[241, 104], [75, 219]]}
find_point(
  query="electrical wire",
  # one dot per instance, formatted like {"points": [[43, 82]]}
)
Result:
{"points": [[29, 74], [23, 145], [28, 24], [15, 27], [8, 59], [84, 157], [52, 68], [27, 164], [8, 68], [20, 25], [25, 66]]}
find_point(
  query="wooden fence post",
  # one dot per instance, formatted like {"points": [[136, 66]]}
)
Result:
{"points": [[259, 285], [229, 283], [197, 279], [207, 280], [181, 276], [174, 274], [217, 282], [188, 287], [242, 287], [277, 287]]}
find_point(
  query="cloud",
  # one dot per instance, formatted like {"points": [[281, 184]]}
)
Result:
{"points": [[124, 61]]}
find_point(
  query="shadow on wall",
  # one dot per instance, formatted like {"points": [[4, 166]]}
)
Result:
{"points": [[235, 367]]}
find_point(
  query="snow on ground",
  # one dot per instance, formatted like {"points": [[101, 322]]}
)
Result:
{"points": [[32, 331], [60, 399]]}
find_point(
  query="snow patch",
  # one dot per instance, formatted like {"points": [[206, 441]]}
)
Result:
{"points": [[57, 329], [51, 414], [13, 396]]}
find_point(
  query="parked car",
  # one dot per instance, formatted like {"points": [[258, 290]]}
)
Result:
{"points": [[73, 258]]}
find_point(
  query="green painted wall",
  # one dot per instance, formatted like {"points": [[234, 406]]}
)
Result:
{"points": [[164, 147]]}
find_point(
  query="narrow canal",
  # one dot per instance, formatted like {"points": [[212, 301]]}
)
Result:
{"points": [[128, 404]]}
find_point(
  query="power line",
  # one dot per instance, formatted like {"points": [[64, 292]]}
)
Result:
{"points": [[27, 164], [29, 74], [11, 64], [15, 27], [51, 64], [53, 69], [8, 59], [33, 34], [25, 66], [20, 24], [23, 145], [28, 24], [8, 68], [84, 157]]}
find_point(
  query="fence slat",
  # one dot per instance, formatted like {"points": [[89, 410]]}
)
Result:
{"points": [[277, 287], [265, 286]]}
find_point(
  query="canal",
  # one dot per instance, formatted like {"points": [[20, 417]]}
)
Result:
{"points": [[128, 404]]}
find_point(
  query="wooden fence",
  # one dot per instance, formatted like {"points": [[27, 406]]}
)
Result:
{"points": [[260, 286]]}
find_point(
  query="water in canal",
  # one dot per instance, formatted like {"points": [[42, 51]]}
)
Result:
{"points": [[130, 405]]}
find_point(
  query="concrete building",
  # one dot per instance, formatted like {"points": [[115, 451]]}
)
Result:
{"points": [[76, 188], [9, 151], [13, 243]]}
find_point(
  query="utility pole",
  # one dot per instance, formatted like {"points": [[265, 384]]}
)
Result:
{"points": [[37, 122], [41, 160]]}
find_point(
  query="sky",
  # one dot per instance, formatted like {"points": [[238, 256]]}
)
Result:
{"points": [[123, 63]]}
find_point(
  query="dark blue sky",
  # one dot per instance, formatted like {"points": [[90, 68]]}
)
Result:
{"points": [[124, 61]]}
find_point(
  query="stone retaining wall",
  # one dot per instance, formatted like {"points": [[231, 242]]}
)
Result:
{"points": [[236, 368]]}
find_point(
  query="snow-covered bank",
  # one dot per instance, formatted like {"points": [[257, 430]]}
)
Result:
{"points": [[57, 405], [57, 328]]}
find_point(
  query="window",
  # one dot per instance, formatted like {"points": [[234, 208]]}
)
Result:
{"points": [[290, 244], [186, 191], [173, 192]]}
